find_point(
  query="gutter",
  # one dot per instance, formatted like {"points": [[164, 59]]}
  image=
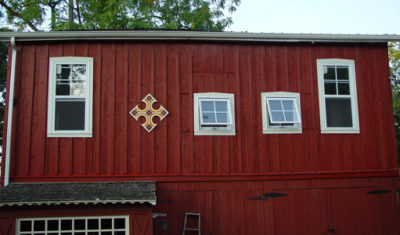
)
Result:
{"points": [[160, 35], [10, 112]]}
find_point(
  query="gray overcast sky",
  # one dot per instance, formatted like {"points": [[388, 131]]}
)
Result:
{"points": [[318, 16]]}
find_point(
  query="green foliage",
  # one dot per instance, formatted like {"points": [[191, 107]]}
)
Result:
{"points": [[394, 64], [205, 15], [3, 76]]}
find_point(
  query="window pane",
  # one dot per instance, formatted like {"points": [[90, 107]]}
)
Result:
{"points": [[78, 71], [106, 223], [330, 88], [79, 224], [66, 225], [39, 225], [70, 115], [63, 71], [221, 106], [338, 112], [77, 88], [119, 223], [275, 104], [344, 88], [208, 118], [222, 118], [329, 73], [52, 225], [277, 116], [342, 73], [288, 104], [93, 224], [25, 226], [62, 89], [290, 116], [207, 106]]}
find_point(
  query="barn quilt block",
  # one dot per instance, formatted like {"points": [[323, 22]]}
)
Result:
{"points": [[149, 112]]}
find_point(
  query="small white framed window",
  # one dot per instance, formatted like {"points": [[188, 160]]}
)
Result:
{"points": [[337, 96], [214, 114], [281, 112], [118, 225], [70, 97]]}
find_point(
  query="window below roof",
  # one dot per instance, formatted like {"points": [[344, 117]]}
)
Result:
{"points": [[337, 96], [214, 114], [118, 225], [70, 97], [281, 112]]}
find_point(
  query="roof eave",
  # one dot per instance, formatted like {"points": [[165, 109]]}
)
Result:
{"points": [[195, 36]]}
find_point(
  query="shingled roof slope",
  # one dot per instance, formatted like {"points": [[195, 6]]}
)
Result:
{"points": [[19, 194]]}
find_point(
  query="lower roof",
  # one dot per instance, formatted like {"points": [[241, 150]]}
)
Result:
{"points": [[88, 193], [192, 36]]}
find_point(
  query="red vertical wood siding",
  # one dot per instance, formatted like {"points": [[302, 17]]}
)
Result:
{"points": [[307, 207], [124, 72]]}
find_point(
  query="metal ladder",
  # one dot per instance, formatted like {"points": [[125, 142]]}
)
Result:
{"points": [[188, 214]]}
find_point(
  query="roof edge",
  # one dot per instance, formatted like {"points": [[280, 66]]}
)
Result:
{"points": [[194, 36], [79, 202]]}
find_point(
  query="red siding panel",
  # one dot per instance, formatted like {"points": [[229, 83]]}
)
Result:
{"points": [[39, 115], [124, 72], [160, 93]]}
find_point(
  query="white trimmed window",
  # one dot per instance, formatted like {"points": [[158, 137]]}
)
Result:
{"points": [[337, 96], [105, 225], [70, 97], [214, 114], [281, 112]]}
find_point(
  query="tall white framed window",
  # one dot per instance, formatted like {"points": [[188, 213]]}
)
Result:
{"points": [[337, 96], [118, 225], [70, 97], [281, 113], [214, 114]]}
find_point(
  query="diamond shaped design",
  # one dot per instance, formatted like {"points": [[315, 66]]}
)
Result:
{"points": [[148, 112]]}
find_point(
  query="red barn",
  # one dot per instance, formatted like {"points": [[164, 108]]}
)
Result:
{"points": [[124, 132]]}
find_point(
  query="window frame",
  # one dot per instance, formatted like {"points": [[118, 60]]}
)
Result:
{"points": [[52, 97], [283, 129], [355, 129], [72, 219], [214, 130]]}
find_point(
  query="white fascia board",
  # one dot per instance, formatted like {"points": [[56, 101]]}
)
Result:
{"points": [[194, 36]]}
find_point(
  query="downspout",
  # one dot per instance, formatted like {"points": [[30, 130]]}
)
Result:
{"points": [[10, 112]]}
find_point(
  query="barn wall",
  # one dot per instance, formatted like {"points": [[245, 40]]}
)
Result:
{"points": [[124, 72], [304, 207]]}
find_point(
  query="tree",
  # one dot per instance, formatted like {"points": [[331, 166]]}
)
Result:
{"points": [[394, 64], [206, 15], [3, 76]]}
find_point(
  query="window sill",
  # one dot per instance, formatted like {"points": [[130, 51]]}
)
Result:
{"points": [[282, 131], [217, 133], [340, 131], [69, 134]]}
